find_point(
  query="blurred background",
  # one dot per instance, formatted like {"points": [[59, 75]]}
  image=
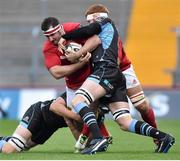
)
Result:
{"points": [[150, 31]]}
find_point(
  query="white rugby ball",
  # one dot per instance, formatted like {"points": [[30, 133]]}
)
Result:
{"points": [[73, 47]]}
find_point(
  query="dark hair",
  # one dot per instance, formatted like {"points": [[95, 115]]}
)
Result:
{"points": [[48, 22]]}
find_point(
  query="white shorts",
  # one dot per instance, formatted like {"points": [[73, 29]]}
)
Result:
{"points": [[131, 78], [70, 94]]}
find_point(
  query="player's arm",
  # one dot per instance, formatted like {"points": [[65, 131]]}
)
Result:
{"points": [[89, 46], [17, 142], [73, 127], [63, 111], [84, 32], [58, 107], [59, 71]]}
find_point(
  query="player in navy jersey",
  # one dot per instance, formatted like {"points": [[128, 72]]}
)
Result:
{"points": [[36, 126], [106, 80]]}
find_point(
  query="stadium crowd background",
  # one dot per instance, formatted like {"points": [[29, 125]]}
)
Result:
{"points": [[149, 30]]}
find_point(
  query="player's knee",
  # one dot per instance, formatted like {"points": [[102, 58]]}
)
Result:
{"points": [[82, 95], [8, 148], [139, 101], [18, 142], [123, 118], [77, 99], [143, 107]]}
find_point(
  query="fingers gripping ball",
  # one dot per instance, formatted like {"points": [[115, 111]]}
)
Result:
{"points": [[72, 47]]}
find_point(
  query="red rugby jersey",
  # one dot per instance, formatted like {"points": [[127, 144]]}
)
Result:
{"points": [[125, 63], [53, 57]]}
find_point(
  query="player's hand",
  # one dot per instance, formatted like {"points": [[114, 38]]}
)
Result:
{"points": [[61, 44], [85, 58], [78, 118], [72, 57]]}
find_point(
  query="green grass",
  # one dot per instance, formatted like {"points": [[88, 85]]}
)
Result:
{"points": [[126, 146]]}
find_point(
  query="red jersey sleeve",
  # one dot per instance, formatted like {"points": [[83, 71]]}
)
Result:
{"points": [[125, 63]]}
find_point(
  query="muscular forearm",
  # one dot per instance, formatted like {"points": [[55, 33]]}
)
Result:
{"points": [[59, 72], [76, 132], [90, 45], [69, 114], [59, 107]]}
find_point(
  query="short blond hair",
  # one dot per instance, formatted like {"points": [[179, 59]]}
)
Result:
{"points": [[96, 8]]}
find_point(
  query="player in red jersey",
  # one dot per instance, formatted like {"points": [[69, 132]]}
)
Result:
{"points": [[59, 66], [56, 62]]}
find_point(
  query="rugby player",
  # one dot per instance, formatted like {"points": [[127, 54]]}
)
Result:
{"points": [[133, 86], [36, 126], [59, 67], [107, 80]]}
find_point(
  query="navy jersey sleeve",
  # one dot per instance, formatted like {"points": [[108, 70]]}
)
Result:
{"points": [[83, 32]]}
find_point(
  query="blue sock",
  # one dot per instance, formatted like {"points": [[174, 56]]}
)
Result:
{"points": [[2, 142], [145, 129], [89, 119]]}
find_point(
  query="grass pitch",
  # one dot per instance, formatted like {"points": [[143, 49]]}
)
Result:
{"points": [[126, 146]]}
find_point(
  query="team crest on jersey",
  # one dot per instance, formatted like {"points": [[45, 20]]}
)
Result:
{"points": [[134, 81]]}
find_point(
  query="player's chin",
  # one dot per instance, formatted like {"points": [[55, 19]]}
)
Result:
{"points": [[55, 42]]}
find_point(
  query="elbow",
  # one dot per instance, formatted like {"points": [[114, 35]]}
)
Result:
{"points": [[98, 41], [53, 109], [57, 106], [56, 76]]}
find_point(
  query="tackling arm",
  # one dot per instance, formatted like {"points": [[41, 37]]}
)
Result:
{"points": [[58, 107], [89, 46], [59, 71], [83, 32]]}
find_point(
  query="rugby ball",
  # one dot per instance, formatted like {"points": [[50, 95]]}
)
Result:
{"points": [[72, 47]]}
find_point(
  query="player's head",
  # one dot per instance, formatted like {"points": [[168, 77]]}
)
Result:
{"points": [[96, 12], [52, 29]]}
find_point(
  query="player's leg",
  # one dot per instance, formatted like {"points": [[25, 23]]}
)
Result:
{"points": [[121, 115], [140, 102], [82, 139], [24, 131], [89, 92], [85, 137], [17, 142], [138, 98], [101, 117], [30, 125]]}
